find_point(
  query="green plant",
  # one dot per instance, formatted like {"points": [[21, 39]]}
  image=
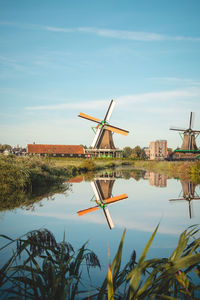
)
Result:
{"points": [[87, 165], [159, 278], [41, 268]]}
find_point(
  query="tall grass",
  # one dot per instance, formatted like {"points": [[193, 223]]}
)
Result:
{"points": [[41, 268], [21, 176]]}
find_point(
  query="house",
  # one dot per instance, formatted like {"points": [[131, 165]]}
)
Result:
{"points": [[56, 150]]}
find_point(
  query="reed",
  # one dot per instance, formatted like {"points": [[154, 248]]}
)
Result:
{"points": [[42, 268], [24, 176]]}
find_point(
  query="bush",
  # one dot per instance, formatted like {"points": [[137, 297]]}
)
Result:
{"points": [[87, 165]]}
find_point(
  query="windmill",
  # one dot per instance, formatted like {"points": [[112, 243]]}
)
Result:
{"points": [[104, 131], [103, 197], [188, 194], [189, 136]]}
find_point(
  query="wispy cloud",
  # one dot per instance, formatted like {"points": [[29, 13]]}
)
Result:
{"points": [[98, 219], [152, 98], [176, 80], [104, 32], [72, 105]]}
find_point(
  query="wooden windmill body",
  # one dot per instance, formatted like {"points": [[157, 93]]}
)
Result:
{"points": [[189, 136], [103, 139]]}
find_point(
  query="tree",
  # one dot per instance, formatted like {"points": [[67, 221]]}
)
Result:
{"points": [[137, 152], [5, 147], [127, 151]]}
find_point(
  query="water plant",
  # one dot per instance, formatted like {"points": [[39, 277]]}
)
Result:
{"points": [[21, 176], [41, 268]]}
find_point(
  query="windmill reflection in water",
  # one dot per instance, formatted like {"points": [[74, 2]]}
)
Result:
{"points": [[102, 188], [187, 194]]}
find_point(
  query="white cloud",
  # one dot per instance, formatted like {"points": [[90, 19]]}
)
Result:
{"points": [[151, 98], [104, 32], [99, 219], [191, 82], [96, 105]]}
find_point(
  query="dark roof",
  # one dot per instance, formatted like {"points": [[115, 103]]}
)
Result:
{"points": [[55, 149]]}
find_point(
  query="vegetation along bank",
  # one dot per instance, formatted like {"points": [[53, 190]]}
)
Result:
{"points": [[41, 268]]}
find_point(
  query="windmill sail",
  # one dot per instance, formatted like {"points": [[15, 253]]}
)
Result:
{"points": [[103, 137], [102, 191], [189, 135], [188, 194]]}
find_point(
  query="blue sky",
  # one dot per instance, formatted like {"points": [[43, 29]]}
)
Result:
{"points": [[59, 58]]}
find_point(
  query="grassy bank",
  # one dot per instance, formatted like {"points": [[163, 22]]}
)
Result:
{"points": [[24, 179], [41, 268], [185, 170], [98, 163]]}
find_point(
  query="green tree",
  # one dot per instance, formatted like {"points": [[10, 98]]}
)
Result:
{"points": [[127, 151], [5, 147], [137, 152]]}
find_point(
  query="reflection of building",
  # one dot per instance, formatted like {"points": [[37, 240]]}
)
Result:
{"points": [[188, 194], [156, 179], [102, 189], [158, 150]]}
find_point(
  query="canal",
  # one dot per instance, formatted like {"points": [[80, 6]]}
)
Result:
{"points": [[98, 210]]}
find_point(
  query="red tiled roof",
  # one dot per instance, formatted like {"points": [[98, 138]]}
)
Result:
{"points": [[55, 149], [76, 179]]}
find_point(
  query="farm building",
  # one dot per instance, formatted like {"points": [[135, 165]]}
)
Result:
{"points": [[56, 150]]}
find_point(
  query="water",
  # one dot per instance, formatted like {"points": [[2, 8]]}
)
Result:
{"points": [[147, 204]]}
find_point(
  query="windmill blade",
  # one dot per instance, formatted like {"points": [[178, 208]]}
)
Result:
{"points": [[108, 218], [97, 136], [84, 116], [190, 210], [177, 129], [116, 129], [177, 199], [87, 210], [116, 198], [97, 191], [189, 187], [109, 111], [191, 120]]}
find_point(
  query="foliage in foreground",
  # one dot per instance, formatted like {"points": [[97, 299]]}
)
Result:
{"points": [[41, 268]]}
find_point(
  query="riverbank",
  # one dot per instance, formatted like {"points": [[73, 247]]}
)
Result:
{"points": [[25, 179], [184, 169], [181, 169]]}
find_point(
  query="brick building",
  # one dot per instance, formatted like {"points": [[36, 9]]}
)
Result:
{"points": [[158, 150], [56, 150]]}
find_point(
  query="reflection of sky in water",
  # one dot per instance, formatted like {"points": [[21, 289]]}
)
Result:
{"points": [[146, 206]]}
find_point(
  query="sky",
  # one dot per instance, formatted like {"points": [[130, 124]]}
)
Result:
{"points": [[60, 58]]}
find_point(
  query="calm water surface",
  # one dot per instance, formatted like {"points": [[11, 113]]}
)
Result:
{"points": [[147, 203]]}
